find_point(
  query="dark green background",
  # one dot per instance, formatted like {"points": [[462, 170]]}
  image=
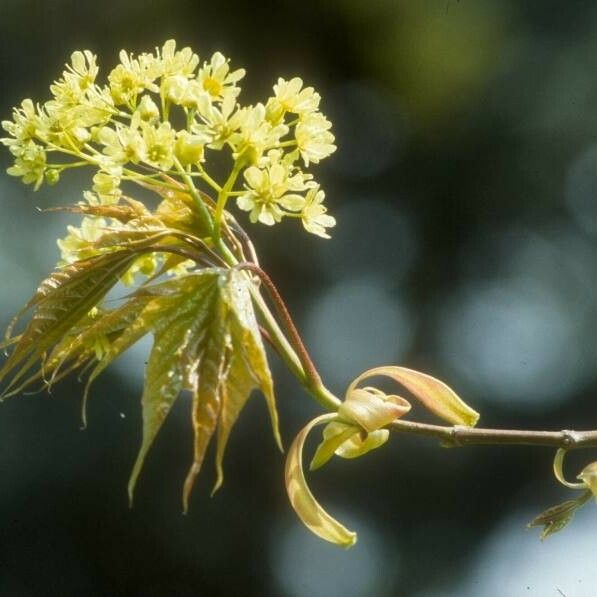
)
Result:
{"points": [[465, 190]]}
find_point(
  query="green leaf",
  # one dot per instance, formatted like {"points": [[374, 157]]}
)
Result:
{"points": [[314, 517], [558, 517], [180, 322], [358, 445], [206, 377], [206, 340], [248, 369], [239, 368], [61, 301], [433, 393]]}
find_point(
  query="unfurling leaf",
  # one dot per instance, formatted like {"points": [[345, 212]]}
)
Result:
{"points": [[334, 435], [558, 470], [556, 518], [60, 303], [305, 505], [589, 477], [371, 409], [206, 341], [358, 430], [433, 393], [346, 441], [358, 445], [123, 212]]}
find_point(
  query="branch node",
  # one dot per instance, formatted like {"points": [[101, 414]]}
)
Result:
{"points": [[571, 438], [455, 436]]}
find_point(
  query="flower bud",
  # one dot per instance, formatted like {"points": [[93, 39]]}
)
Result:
{"points": [[148, 110], [174, 88], [189, 149], [52, 176]]}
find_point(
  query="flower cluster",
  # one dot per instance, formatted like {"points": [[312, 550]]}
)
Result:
{"points": [[161, 114]]}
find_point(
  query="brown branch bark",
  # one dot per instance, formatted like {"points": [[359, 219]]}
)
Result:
{"points": [[460, 436]]}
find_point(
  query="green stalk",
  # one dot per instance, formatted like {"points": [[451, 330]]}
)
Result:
{"points": [[323, 396], [222, 198], [204, 212]]}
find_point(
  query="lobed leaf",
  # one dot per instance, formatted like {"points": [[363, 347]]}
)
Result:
{"points": [[206, 340], [178, 315]]}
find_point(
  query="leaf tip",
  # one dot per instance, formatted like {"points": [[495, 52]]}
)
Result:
{"points": [[350, 540], [188, 485], [131, 496], [219, 479]]}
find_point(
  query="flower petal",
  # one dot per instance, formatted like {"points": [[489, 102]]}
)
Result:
{"points": [[292, 202]]}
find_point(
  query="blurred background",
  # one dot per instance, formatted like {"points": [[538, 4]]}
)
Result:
{"points": [[465, 189]]}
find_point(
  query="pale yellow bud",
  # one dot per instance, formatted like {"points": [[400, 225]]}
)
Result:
{"points": [[189, 149], [174, 88], [148, 110]]}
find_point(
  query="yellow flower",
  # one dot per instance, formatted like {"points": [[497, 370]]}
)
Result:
{"points": [[218, 123], [132, 76], [79, 76], [289, 96], [148, 110], [107, 187], [77, 244], [268, 194], [314, 216], [184, 62], [174, 88], [314, 139], [123, 123], [159, 144], [30, 163], [23, 127], [256, 134], [190, 148], [216, 79], [123, 144]]}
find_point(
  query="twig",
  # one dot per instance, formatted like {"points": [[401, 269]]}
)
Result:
{"points": [[460, 436]]}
